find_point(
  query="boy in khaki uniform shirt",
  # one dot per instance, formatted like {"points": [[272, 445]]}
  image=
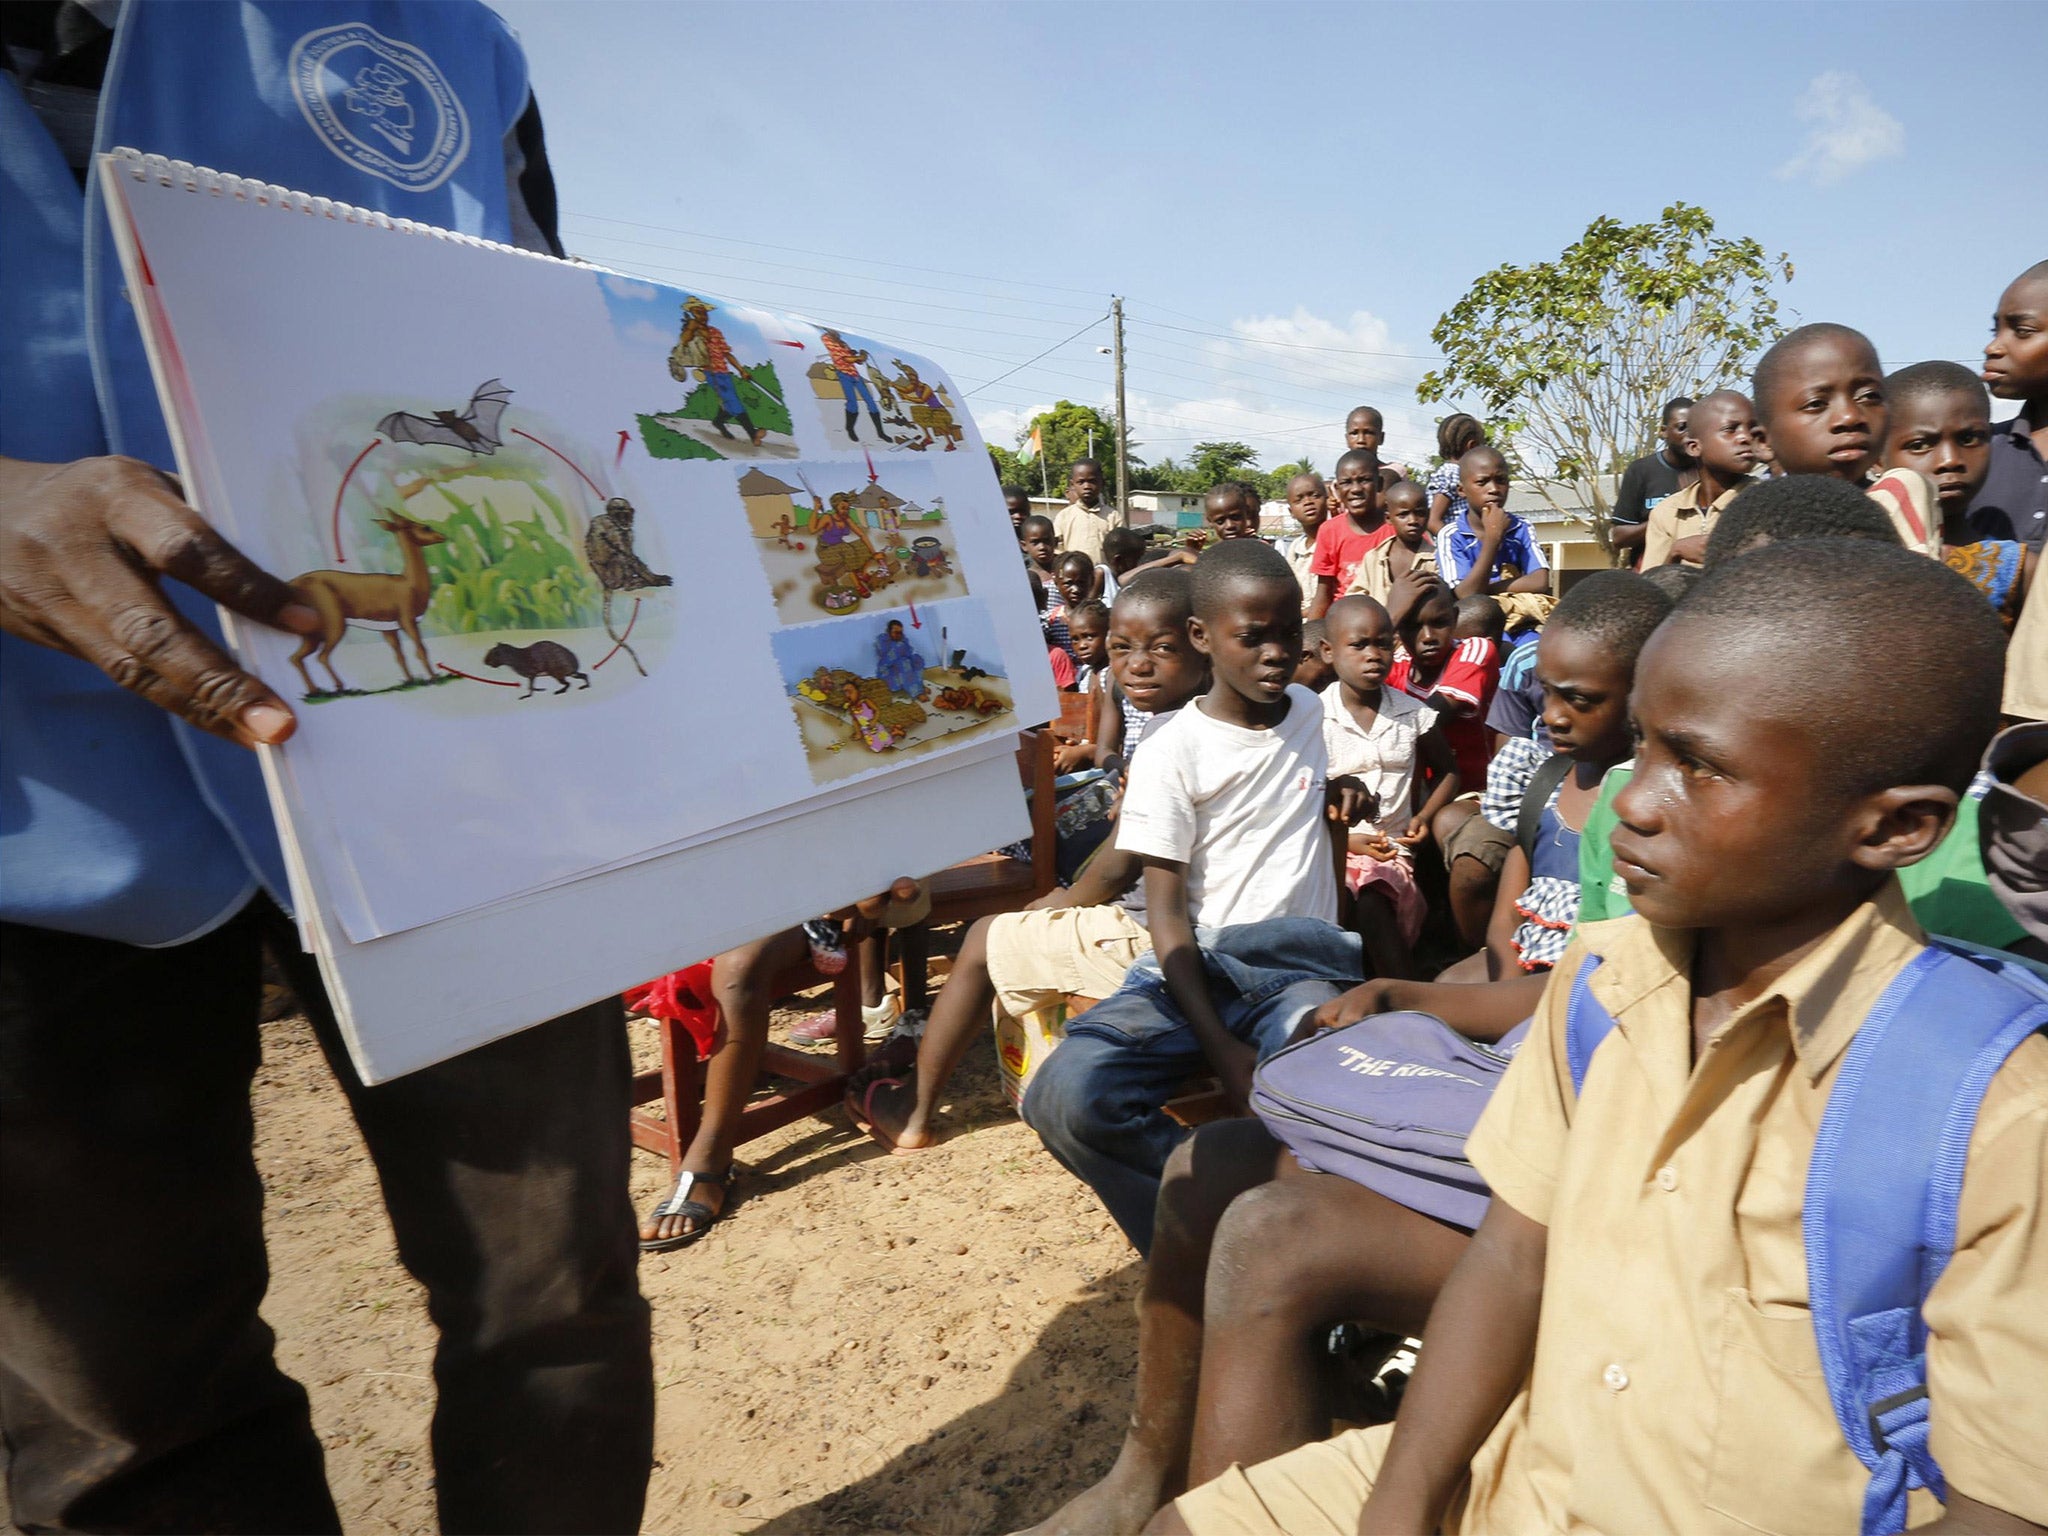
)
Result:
{"points": [[1721, 435], [1626, 1346]]}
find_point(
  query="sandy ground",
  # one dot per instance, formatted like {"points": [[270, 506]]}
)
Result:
{"points": [[934, 1343]]}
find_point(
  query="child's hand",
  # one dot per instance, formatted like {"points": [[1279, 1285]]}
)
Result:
{"points": [[1416, 834], [1235, 1071], [1359, 1003], [1350, 802], [1374, 844], [1071, 755]]}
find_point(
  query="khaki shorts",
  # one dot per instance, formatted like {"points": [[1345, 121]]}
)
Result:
{"points": [[1480, 839], [1036, 958], [1317, 1490]]}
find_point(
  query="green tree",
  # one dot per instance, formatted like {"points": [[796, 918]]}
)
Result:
{"points": [[1570, 360], [1065, 431]]}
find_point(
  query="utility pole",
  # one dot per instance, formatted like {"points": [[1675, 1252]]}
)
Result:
{"points": [[1123, 432]]}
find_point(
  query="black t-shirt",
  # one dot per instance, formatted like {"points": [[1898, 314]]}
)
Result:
{"points": [[1643, 484]]}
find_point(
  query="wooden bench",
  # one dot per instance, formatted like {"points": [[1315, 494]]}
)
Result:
{"points": [[978, 887]]}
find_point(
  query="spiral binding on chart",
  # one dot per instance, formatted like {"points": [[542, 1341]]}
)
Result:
{"points": [[264, 194]]}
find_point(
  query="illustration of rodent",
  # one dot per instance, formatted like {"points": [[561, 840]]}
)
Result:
{"points": [[541, 659]]}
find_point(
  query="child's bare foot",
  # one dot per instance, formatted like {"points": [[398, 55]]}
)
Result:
{"points": [[890, 1106], [1118, 1505]]}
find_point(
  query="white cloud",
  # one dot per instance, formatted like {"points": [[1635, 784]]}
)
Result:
{"points": [[1282, 383], [648, 334], [627, 288], [1848, 131]]}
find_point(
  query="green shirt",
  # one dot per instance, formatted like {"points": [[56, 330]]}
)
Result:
{"points": [[1946, 890]]}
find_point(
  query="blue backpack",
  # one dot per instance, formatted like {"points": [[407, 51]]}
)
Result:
{"points": [[1882, 1189]]}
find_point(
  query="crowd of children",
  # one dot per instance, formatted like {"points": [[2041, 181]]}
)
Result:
{"points": [[1428, 884], [1691, 836]]}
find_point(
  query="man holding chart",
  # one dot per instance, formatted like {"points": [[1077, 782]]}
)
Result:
{"points": [[140, 874]]}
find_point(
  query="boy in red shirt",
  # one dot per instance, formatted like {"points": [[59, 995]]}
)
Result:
{"points": [[1457, 676], [1358, 527]]}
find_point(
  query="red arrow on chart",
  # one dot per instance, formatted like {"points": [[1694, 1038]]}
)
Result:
{"points": [[625, 437], [915, 621], [872, 476], [797, 344]]}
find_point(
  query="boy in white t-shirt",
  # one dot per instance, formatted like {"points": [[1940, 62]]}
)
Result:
{"points": [[1228, 808]]}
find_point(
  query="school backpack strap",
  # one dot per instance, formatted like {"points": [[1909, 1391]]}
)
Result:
{"points": [[1543, 784], [1586, 1022], [1882, 1192]]}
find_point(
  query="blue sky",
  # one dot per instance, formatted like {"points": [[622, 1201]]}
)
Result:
{"points": [[1288, 195]]}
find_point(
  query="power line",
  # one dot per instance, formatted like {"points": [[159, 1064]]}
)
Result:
{"points": [[1048, 352], [799, 250], [697, 272], [858, 277]]}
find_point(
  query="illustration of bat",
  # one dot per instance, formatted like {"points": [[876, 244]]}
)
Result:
{"points": [[475, 429]]}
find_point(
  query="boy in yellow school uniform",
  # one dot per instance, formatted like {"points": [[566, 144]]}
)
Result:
{"points": [[1627, 1345]]}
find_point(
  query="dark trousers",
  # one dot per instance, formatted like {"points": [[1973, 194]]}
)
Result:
{"points": [[138, 1391]]}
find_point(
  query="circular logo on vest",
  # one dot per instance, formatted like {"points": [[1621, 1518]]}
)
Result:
{"points": [[381, 105]]}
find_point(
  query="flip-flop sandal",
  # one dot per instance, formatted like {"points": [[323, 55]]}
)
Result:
{"points": [[864, 1117], [679, 1203]]}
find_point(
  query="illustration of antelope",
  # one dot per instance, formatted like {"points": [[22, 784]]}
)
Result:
{"points": [[371, 600]]}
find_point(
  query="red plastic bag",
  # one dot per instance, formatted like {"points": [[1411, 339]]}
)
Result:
{"points": [[685, 997]]}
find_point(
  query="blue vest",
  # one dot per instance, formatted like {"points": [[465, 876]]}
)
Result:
{"points": [[117, 820]]}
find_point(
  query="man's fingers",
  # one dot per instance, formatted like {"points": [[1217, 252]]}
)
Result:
{"points": [[128, 629], [168, 536]]}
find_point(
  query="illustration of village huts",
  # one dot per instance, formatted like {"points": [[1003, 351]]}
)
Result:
{"points": [[468, 547], [892, 684], [870, 397], [725, 397], [837, 540]]}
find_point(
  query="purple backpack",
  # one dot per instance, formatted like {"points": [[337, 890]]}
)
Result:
{"points": [[1387, 1103]]}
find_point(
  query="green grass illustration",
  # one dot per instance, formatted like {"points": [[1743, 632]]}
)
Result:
{"points": [[495, 574]]}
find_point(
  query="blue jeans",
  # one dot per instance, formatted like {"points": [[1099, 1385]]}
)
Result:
{"points": [[1095, 1103], [857, 393]]}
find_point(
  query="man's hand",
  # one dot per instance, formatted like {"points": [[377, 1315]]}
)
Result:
{"points": [[82, 548], [1350, 802]]}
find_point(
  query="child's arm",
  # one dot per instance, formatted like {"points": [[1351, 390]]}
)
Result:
{"points": [[1493, 532], [1535, 581], [1439, 510], [1109, 726], [1962, 1515], [1501, 926], [1482, 1011], [1433, 753], [1108, 872], [1326, 594], [1476, 1353], [1180, 961]]}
